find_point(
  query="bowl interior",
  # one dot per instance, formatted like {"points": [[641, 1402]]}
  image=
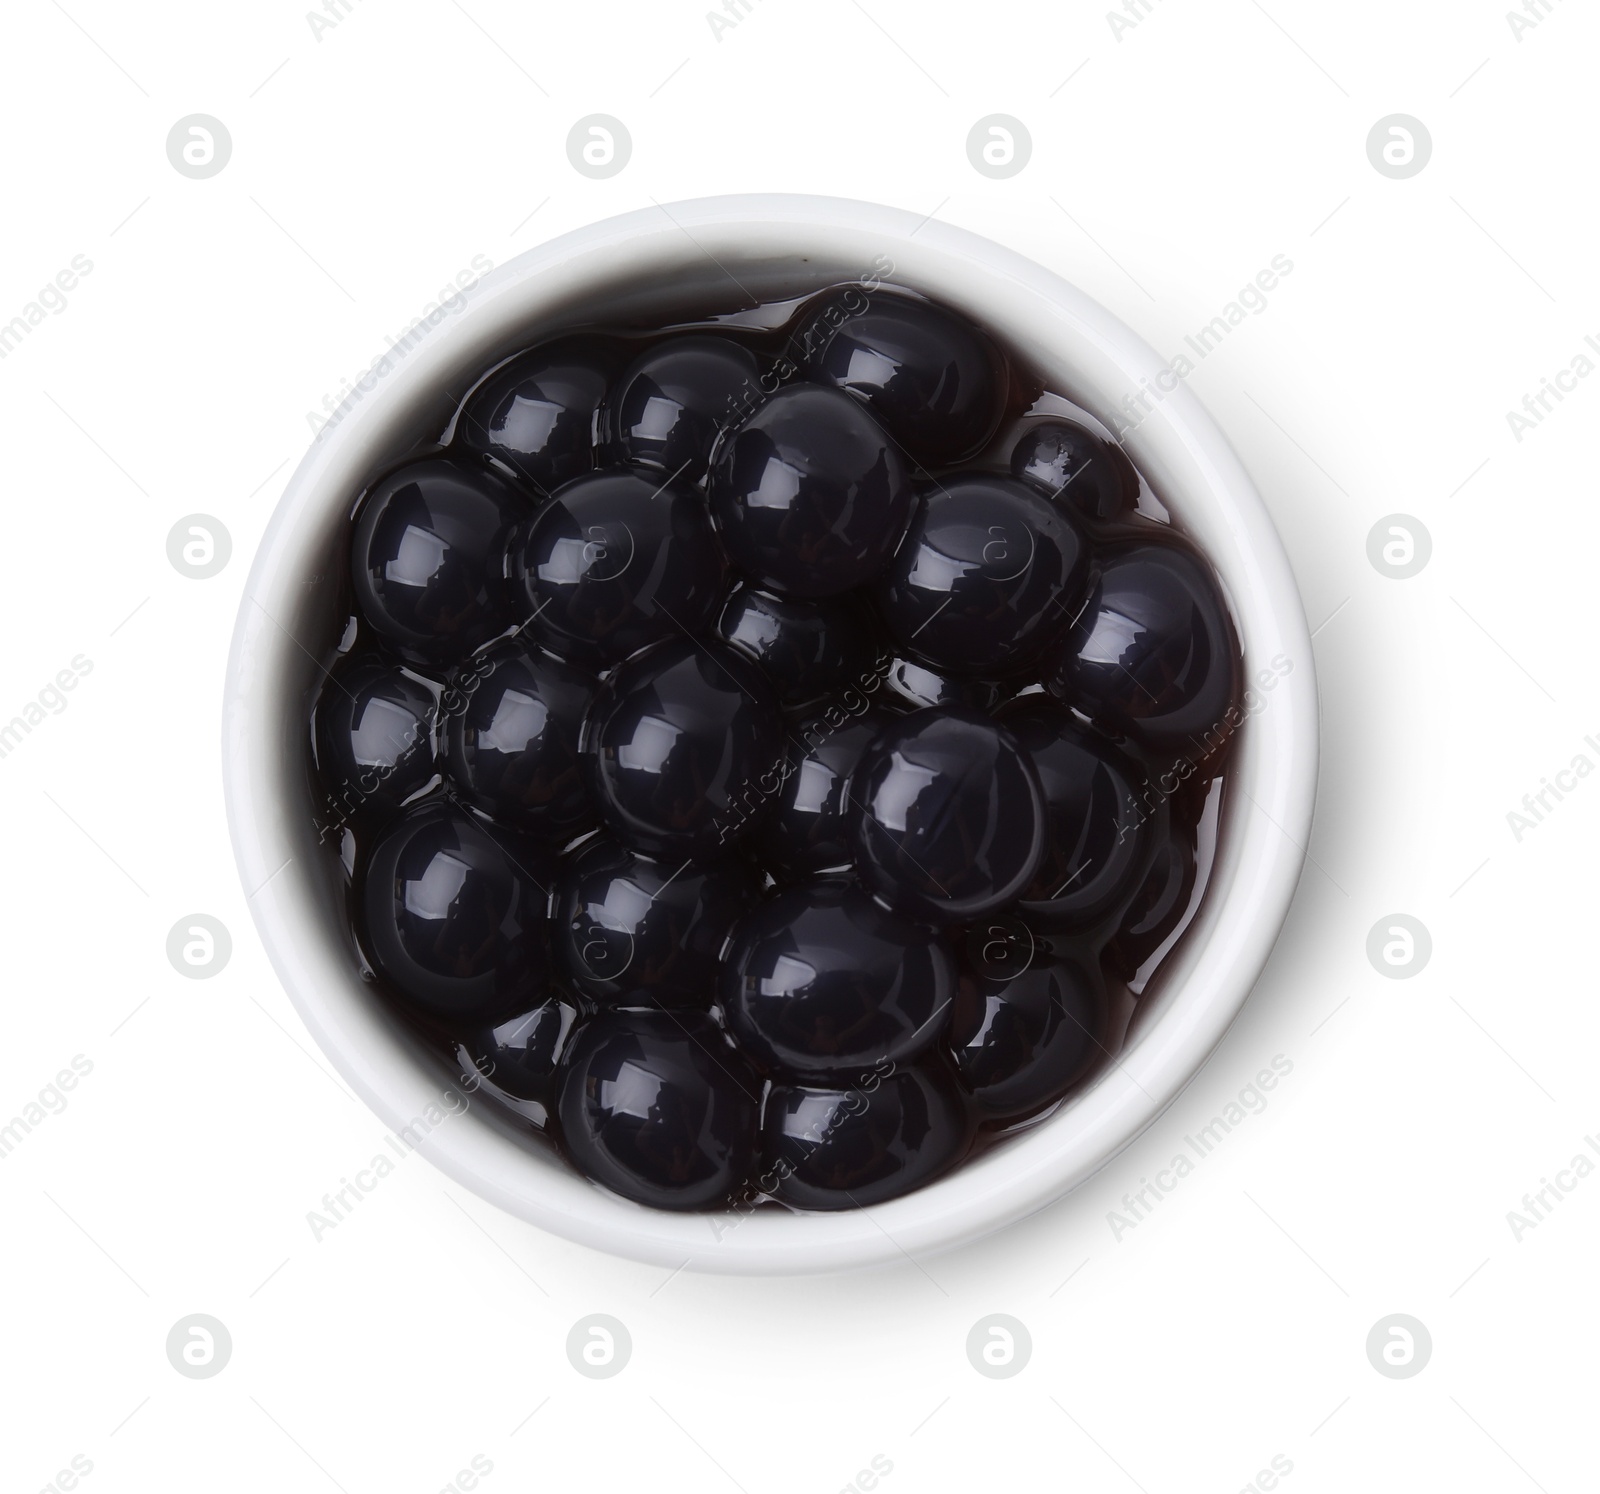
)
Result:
{"points": [[651, 267]]}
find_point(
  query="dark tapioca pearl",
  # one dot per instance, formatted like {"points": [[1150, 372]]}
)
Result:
{"points": [[1153, 655], [1157, 908], [618, 560], [809, 649], [810, 493], [937, 383], [428, 557], [632, 931], [1103, 819], [456, 915], [376, 736], [513, 715], [518, 1061], [833, 871], [676, 399], [537, 413], [919, 686], [989, 574], [683, 749], [1068, 463], [810, 827], [823, 980], [950, 815], [1022, 1043], [849, 1146], [660, 1107]]}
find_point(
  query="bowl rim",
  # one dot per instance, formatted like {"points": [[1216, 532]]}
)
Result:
{"points": [[1103, 365]]}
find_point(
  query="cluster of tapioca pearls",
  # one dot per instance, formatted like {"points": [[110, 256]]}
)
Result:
{"points": [[699, 781]]}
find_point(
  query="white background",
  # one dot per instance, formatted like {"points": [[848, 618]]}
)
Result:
{"points": [[369, 166]]}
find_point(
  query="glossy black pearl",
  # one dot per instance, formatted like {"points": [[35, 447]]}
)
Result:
{"points": [[1069, 464], [808, 649], [660, 1107], [850, 1146], [677, 398], [518, 1061], [428, 557], [683, 748], [919, 687], [1153, 655], [1103, 818], [456, 915], [810, 828], [618, 560], [988, 575], [537, 413], [375, 727], [951, 815], [514, 715], [1021, 1043], [810, 493], [823, 980], [632, 931], [1159, 906], [935, 382]]}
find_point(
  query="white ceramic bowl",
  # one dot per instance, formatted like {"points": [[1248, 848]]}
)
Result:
{"points": [[689, 252]]}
